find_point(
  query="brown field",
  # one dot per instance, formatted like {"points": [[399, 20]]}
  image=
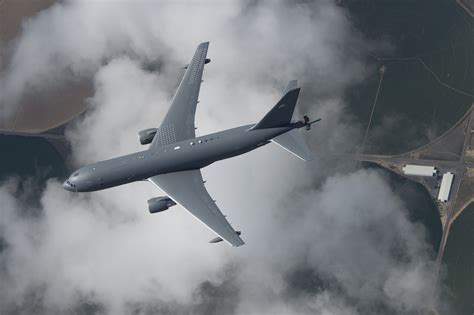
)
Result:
{"points": [[37, 112], [12, 13]]}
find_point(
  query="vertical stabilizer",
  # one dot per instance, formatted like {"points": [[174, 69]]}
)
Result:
{"points": [[291, 86], [282, 112]]}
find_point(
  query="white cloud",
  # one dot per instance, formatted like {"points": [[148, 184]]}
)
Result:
{"points": [[341, 224]]}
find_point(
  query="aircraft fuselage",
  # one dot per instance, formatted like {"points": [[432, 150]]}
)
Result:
{"points": [[180, 156]]}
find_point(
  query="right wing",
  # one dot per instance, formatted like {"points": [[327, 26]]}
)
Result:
{"points": [[187, 189], [178, 123]]}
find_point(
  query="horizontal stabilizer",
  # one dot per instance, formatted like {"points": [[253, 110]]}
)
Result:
{"points": [[293, 142]]}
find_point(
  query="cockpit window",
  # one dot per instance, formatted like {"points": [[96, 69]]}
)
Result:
{"points": [[75, 174], [70, 183]]}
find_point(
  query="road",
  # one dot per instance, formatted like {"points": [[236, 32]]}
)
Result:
{"points": [[458, 163]]}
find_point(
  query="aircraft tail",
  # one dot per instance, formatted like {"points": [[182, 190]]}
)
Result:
{"points": [[293, 142], [282, 112]]}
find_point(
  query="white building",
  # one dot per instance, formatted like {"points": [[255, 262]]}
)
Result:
{"points": [[445, 187], [419, 170]]}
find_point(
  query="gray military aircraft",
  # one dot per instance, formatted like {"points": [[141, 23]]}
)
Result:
{"points": [[175, 155]]}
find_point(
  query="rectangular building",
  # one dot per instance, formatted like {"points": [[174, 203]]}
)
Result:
{"points": [[419, 170], [445, 188]]}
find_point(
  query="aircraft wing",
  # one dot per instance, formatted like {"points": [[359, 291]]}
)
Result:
{"points": [[178, 123], [187, 189]]}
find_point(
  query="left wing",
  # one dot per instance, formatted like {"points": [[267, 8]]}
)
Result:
{"points": [[178, 123], [187, 189]]}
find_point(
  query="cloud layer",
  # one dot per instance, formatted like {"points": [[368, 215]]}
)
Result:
{"points": [[322, 237]]}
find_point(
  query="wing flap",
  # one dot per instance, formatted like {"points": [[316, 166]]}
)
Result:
{"points": [[187, 189]]}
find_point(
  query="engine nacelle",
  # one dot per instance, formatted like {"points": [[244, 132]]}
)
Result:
{"points": [[159, 204], [146, 136]]}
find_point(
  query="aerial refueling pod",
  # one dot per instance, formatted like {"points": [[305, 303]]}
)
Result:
{"points": [[146, 136], [219, 239], [205, 62], [159, 204]]}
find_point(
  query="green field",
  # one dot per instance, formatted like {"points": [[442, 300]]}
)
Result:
{"points": [[459, 259], [428, 85]]}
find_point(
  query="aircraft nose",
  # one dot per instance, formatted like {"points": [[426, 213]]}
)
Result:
{"points": [[67, 186]]}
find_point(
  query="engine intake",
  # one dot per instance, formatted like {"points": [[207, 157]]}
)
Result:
{"points": [[146, 136], [159, 204]]}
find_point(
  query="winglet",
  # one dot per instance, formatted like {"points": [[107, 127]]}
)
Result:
{"points": [[203, 44]]}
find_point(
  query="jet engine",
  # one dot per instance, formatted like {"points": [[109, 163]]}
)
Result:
{"points": [[146, 136], [159, 204]]}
